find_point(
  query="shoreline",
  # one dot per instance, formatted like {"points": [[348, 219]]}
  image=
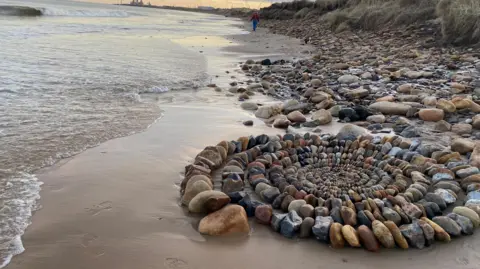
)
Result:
{"points": [[66, 188], [105, 185]]}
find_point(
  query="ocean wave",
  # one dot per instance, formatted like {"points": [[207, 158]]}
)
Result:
{"points": [[18, 199], [24, 11], [20, 11]]}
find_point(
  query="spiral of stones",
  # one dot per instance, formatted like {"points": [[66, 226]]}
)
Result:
{"points": [[370, 191]]}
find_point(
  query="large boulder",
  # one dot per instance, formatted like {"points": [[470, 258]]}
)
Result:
{"points": [[208, 201], [390, 108], [231, 219]]}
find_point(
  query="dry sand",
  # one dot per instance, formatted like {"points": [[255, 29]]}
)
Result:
{"points": [[117, 205]]}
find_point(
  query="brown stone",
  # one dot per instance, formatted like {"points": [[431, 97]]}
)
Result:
{"points": [[349, 216], [382, 233], [431, 114], [440, 233], [367, 238], [263, 214], [397, 234], [231, 219], [336, 237]]}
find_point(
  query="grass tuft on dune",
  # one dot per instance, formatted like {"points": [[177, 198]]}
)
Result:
{"points": [[459, 19]]}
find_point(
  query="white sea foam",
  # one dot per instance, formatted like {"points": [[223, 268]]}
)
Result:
{"points": [[156, 89], [84, 12], [18, 199]]}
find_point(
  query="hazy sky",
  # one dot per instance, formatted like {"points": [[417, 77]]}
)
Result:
{"points": [[194, 3]]}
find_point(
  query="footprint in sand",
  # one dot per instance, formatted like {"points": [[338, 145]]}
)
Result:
{"points": [[98, 208], [87, 239], [174, 263], [462, 261]]}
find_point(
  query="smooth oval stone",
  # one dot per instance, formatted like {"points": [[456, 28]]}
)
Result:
{"points": [[397, 234], [367, 238], [261, 187], [321, 229], [446, 196], [263, 214], [440, 233], [351, 236], [450, 185], [469, 213], [295, 205], [322, 211], [449, 225], [441, 177], [277, 221], [464, 223], [208, 201], [382, 233], [306, 210], [463, 173], [336, 237], [413, 233], [290, 224], [270, 194], [286, 203], [349, 216], [428, 232], [336, 215], [306, 227], [391, 215], [437, 199], [473, 195]]}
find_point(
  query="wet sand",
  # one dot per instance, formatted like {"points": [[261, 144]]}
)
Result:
{"points": [[117, 205]]}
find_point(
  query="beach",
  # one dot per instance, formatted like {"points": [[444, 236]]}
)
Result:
{"points": [[117, 205]]}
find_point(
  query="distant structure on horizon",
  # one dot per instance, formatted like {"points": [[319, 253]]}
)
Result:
{"points": [[137, 3], [205, 8]]}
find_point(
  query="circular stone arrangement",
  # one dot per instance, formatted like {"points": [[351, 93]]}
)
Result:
{"points": [[369, 191]]}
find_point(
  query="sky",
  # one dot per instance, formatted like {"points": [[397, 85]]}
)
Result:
{"points": [[195, 3]]}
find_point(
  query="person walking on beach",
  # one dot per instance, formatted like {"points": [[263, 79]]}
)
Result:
{"points": [[255, 20]]}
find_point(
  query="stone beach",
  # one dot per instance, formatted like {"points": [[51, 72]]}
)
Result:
{"points": [[407, 153]]}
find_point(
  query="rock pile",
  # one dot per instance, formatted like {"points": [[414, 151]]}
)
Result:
{"points": [[347, 189], [378, 95]]}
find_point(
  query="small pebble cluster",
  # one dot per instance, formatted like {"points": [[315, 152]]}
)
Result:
{"points": [[361, 191]]}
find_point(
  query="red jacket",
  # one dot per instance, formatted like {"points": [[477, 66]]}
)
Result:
{"points": [[255, 16]]}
